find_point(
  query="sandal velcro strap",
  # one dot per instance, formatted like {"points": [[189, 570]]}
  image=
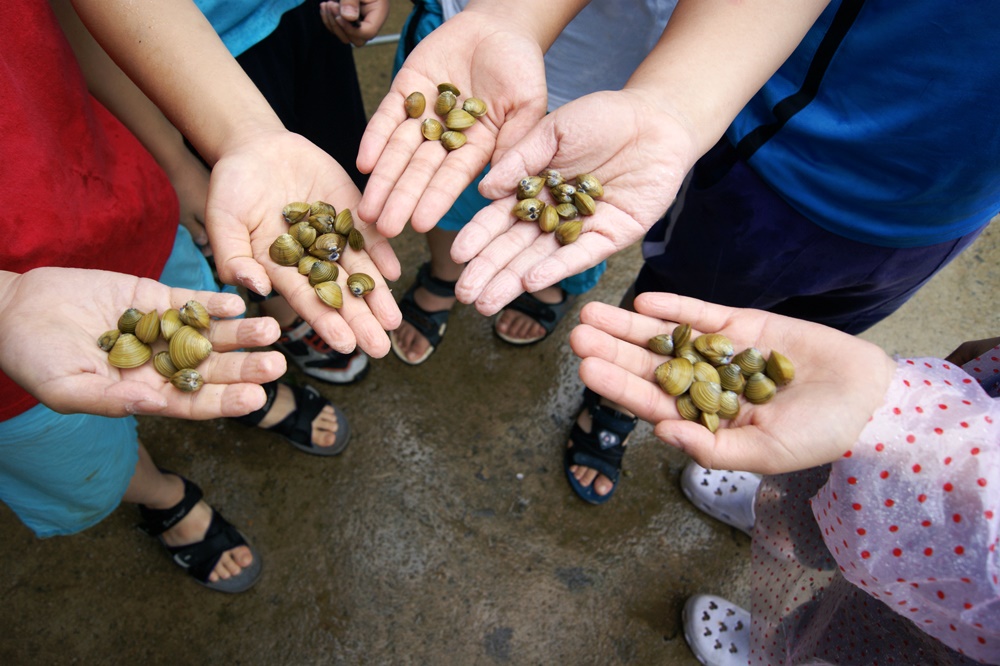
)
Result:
{"points": [[199, 559], [297, 426], [157, 521], [255, 417], [601, 449], [436, 286]]}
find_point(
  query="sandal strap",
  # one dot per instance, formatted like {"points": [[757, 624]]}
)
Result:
{"points": [[157, 521], [255, 417], [428, 324], [200, 558], [297, 426], [436, 286], [548, 315], [603, 447]]}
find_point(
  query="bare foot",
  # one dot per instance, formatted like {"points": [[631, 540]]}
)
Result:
{"points": [[408, 339], [519, 326], [324, 426]]}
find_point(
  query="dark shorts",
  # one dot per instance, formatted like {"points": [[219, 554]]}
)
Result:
{"points": [[731, 239]]}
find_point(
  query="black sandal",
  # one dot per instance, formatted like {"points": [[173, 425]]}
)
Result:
{"points": [[297, 426], [601, 449], [199, 559], [547, 315], [431, 325]]}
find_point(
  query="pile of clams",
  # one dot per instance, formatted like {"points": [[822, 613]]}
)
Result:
{"points": [[572, 198], [317, 235], [131, 344], [455, 118], [708, 377]]}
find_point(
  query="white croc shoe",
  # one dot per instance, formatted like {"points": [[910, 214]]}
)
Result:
{"points": [[717, 631], [725, 495]]}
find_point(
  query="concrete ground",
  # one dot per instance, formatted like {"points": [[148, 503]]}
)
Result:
{"points": [[445, 534]]}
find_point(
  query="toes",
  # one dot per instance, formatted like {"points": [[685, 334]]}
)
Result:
{"points": [[603, 485], [324, 427]]}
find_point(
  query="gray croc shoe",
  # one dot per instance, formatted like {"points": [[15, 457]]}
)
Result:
{"points": [[725, 495], [718, 632]]}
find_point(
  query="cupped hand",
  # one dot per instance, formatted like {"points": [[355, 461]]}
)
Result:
{"points": [[640, 154], [250, 186], [51, 321], [840, 381], [417, 180], [354, 21]]}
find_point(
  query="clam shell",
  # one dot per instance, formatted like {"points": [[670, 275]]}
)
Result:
{"points": [[568, 231], [295, 211], [584, 203], [528, 210], [108, 339], [750, 361], [552, 177], [322, 208], [163, 364], [194, 314], [452, 139], [322, 222], [686, 408], [567, 211], [147, 329], [675, 376], [706, 396], [328, 246], [706, 372], [710, 421], [586, 182], [128, 320], [530, 187], [681, 335], [548, 219], [323, 271], [344, 222], [731, 377], [360, 283], [661, 344], [445, 102], [303, 232], [779, 368], [448, 87], [563, 192], [188, 347], [759, 388], [729, 405], [187, 380], [431, 129], [475, 107], [688, 351], [459, 119], [330, 293], [306, 263], [170, 321], [717, 348], [285, 250], [129, 352], [415, 103], [356, 240]]}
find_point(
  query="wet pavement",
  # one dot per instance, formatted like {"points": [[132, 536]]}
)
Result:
{"points": [[445, 534]]}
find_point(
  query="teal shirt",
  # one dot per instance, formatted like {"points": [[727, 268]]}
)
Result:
{"points": [[243, 24]]}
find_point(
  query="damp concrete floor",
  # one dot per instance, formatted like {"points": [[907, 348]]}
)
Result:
{"points": [[445, 534]]}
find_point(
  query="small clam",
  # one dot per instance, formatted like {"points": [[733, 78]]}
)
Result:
{"points": [[164, 365], [584, 203], [686, 408], [779, 369], [330, 293], [717, 348], [729, 405], [706, 372], [568, 231], [529, 187], [563, 192], [475, 106], [322, 208], [675, 376], [415, 103], [750, 361], [344, 222], [452, 139], [170, 321], [147, 329], [586, 182], [445, 102], [360, 283], [303, 232], [661, 344], [448, 87], [431, 129], [323, 271], [322, 222], [459, 119], [188, 347], [552, 177], [194, 314], [706, 396], [567, 211], [129, 352], [187, 380], [356, 240], [108, 339], [688, 351], [528, 209], [328, 246], [295, 211], [681, 334], [731, 377], [759, 388], [285, 250], [710, 421], [306, 263], [128, 320], [548, 219]]}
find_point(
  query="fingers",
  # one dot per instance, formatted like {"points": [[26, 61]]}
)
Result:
{"points": [[384, 123], [229, 334], [641, 397], [700, 315]]}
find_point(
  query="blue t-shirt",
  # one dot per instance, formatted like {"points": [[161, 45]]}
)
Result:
{"points": [[243, 24], [900, 147]]}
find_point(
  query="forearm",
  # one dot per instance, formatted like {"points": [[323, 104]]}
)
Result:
{"points": [[715, 55], [174, 55], [542, 19]]}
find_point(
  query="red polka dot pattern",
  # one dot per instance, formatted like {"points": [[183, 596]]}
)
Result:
{"points": [[889, 555]]}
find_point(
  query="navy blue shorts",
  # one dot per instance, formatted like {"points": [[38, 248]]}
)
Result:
{"points": [[730, 239]]}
